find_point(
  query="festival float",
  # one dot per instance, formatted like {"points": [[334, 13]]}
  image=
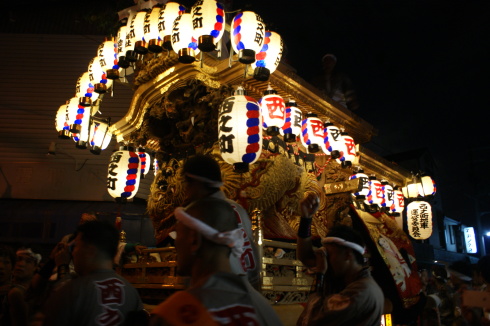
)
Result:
{"points": [[211, 83]]}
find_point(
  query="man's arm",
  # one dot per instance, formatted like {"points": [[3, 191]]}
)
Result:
{"points": [[305, 252]]}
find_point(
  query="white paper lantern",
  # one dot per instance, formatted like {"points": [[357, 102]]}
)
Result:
{"points": [[135, 34], [292, 122], [122, 61], [332, 142], [107, 53], [145, 161], [156, 166], [375, 196], [419, 220], [150, 29], [76, 114], [99, 136], [272, 108], [62, 122], [123, 175], [239, 130], [427, 186], [388, 195], [412, 190], [312, 133], [168, 13], [208, 21], [84, 90], [183, 41], [269, 57], [98, 76], [348, 152], [364, 185], [398, 202], [248, 32]]}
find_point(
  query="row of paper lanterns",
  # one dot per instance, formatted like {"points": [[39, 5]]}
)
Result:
{"points": [[163, 26], [382, 195], [188, 32], [76, 118], [242, 121], [127, 167]]}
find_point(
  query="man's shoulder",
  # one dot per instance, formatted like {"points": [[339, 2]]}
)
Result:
{"points": [[221, 195]]}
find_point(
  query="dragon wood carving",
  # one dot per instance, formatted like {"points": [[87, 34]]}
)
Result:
{"points": [[184, 121]]}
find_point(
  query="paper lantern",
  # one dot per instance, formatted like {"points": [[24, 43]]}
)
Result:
{"points": [[130, 55], [419, 220], [76, 114], [375, 196], [122, 61], [99, 135], [145, 161], [398, 202], [82, 137], [150, 29], [427, 186], [332, 141], [388, 195], [156, 166], [267, 60], [135, 35], [107, 53], [312, 133], [248, 32], [272, 108], [62, 122], [183, 41], [123, 174], [98, 76], [364, 185], [84, 90], [239, 130], [413, 190], [292, 122], [168, 13], [348, 152], [208, 21]]}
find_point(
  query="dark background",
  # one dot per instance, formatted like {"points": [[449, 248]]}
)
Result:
{"points": [[419, 67]]}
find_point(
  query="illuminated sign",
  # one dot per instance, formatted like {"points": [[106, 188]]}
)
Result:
{"points": [[470, 240]]}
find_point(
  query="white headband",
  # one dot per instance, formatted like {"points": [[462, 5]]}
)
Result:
{"points": [[209, 182], [232, 239], [30, 253], [345, 243]]}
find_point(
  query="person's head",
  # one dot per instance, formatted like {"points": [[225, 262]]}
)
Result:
{"points": [[424, 277], [328, 62], [202, 176], [7, 261], [26, 264], [207, 242], [345, 250], [95, 246]]}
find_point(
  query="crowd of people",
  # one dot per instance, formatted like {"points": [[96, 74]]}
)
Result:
{"points": [[457, 295], [216, 251]]}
